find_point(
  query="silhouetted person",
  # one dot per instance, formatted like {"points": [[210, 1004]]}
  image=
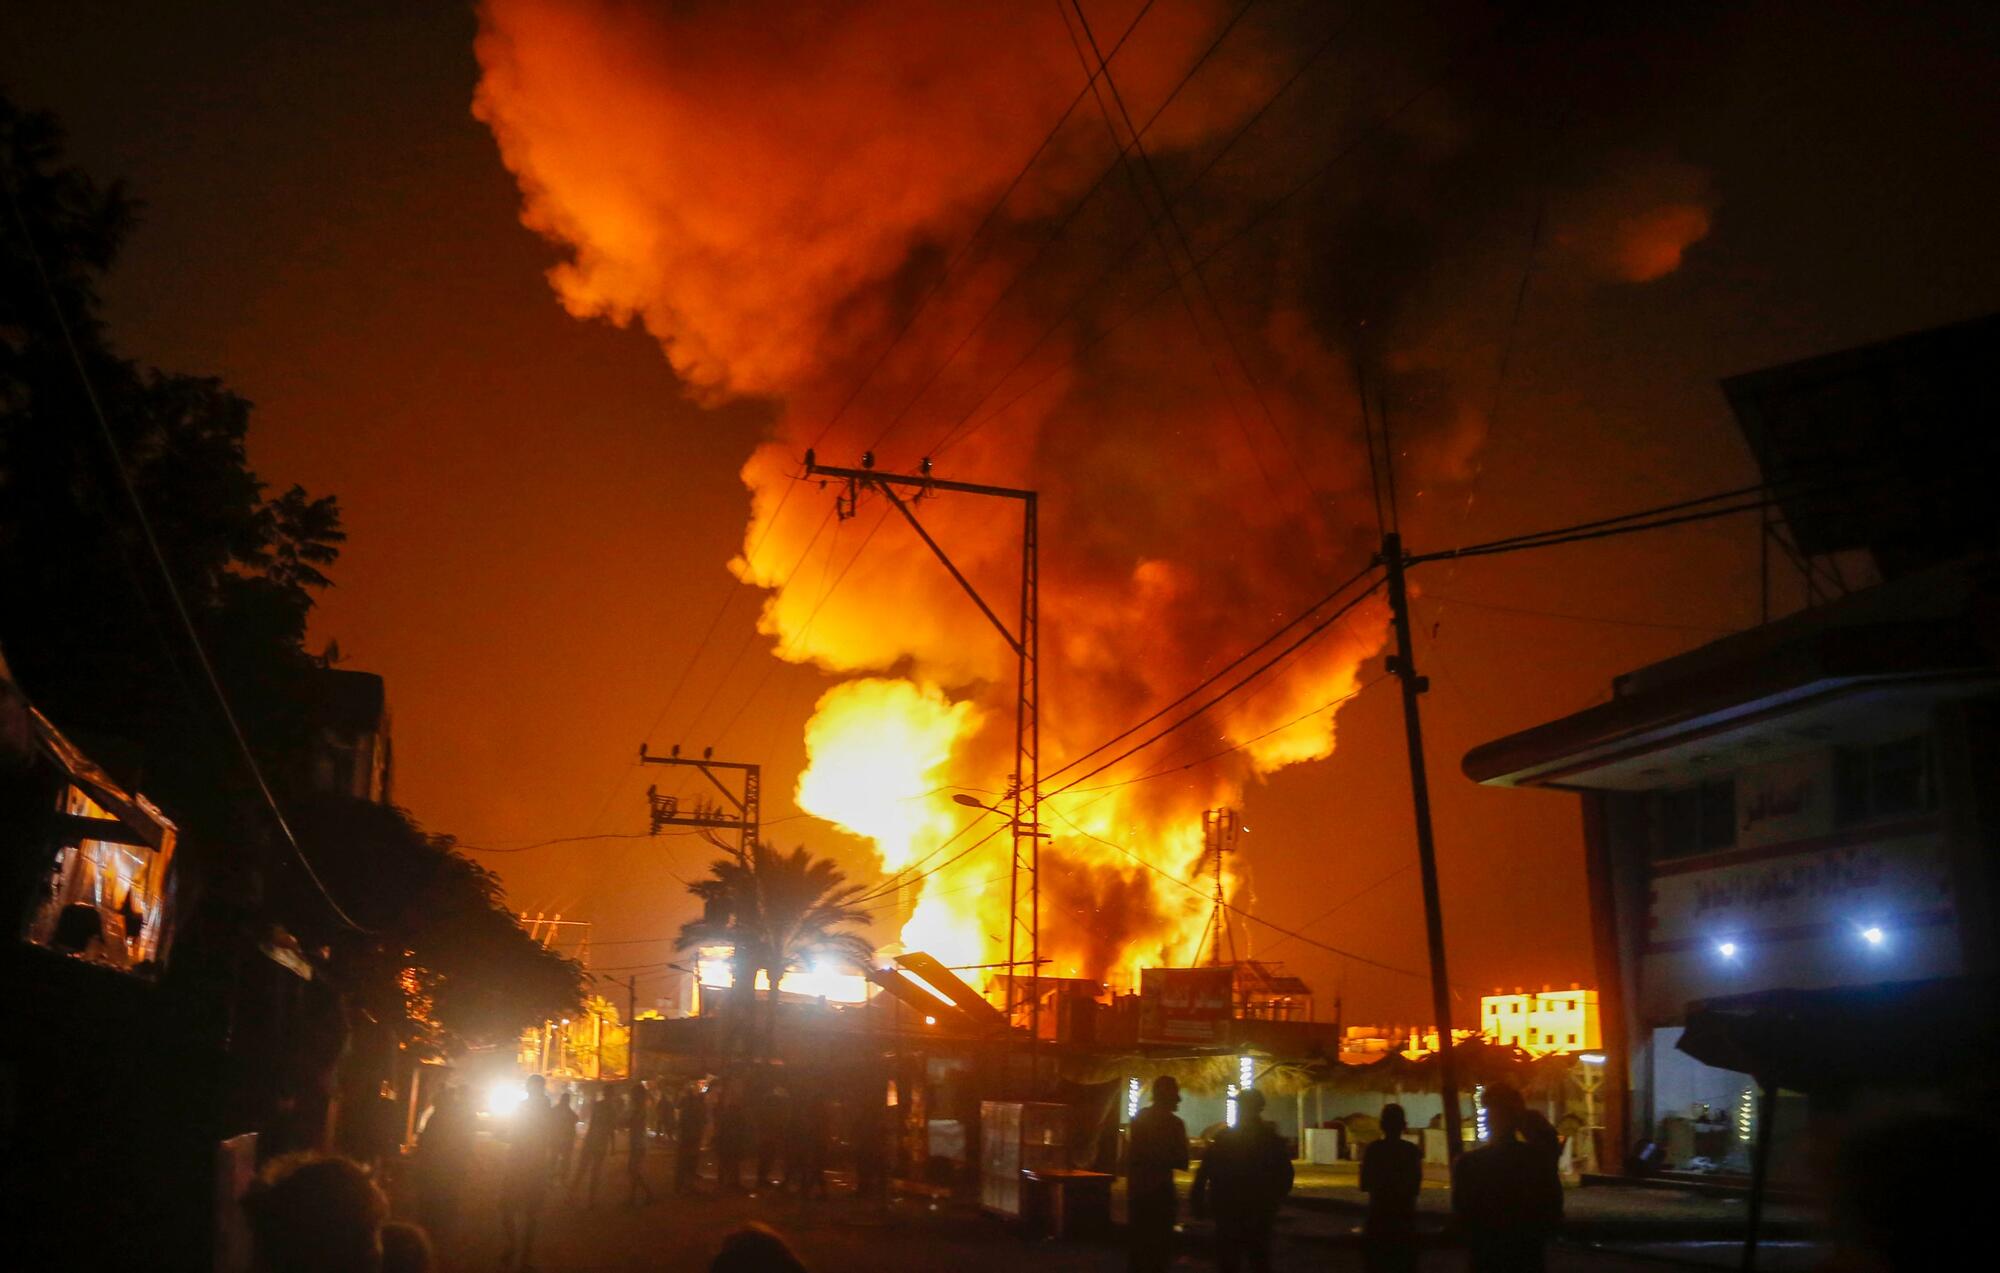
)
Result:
{"points": [[871, 1154], [598, 1134], [562, 1135], [732, 1135], [1392, 1173], [1157, 1149], [773, 1116], [524, 1173], [1244, 1178], [690, 1127], [806, 1145], [755, 1249], [444, 1162], [316, 1213], [637, 1120], [405, 1249], [1507, 1194]]}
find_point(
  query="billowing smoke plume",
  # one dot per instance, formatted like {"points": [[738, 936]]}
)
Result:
{"points": [[780, 195]]}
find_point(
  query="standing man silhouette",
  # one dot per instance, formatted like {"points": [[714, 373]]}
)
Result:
{"points": [[690, 1127], [525, 1173], [1158, 1148], [1507, 1194], [637, 1120], [1392, 1173], [1243, 1180]]}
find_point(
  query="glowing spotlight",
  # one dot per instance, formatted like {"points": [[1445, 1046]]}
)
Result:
{"points": [[1726, 949], [1874, 935], [930, 1020], [505, 1096]]}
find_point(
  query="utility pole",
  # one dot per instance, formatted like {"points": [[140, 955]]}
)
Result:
{"points": [[631, 1026], [1404, 665], [1024, 879], [668, 812]]}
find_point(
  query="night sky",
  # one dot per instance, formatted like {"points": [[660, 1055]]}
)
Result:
{"points": [[540, 516]]}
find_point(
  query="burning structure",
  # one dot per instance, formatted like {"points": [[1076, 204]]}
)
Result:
{"points": [[1165, 320]]}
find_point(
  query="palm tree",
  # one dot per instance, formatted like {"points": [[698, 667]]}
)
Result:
{"points": [[778, 912]]}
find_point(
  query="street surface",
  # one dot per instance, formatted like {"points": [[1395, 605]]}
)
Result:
{"points": [[843, 1233]]}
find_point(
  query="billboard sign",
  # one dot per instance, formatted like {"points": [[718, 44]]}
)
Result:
{"points": [[1185, 1005]]}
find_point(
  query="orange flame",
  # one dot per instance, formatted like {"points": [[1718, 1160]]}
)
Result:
{"points": [[776, 201]]}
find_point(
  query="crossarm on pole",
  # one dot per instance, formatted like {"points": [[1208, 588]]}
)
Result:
{"points": [[1013, 642]]}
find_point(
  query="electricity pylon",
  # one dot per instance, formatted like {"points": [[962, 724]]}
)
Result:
{"points": [[1025, 790]]}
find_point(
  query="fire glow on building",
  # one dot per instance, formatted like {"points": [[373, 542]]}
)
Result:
{"points": [[1189, 500]]}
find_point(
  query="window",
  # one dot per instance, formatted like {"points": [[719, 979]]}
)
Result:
{"points": [[1881, 780], [1697, 819], [1572, 1038], [1513, 1007]]}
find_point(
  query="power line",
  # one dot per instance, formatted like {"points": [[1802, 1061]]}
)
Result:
{"points": [[1213, 677], [729, 592], [1580, 618], [1166, 213], [1180, 233], [1350, 900], [967, 427], [958, 258], [941, 867], [943, 892], [1255, 672], [1563, 535], [743, 646], [1354, 693], [890, 883], [1056, 232], [1206, 896], [166, 574], [1655, 511], [605, 835], [797, 642]]}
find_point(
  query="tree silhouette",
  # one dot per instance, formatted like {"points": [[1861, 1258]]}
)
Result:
{"points": [[90, 627], [92, 634], [779, 913], [443, 933]]}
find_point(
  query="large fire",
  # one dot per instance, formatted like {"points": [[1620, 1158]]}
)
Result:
{"points": [[787, 204]]}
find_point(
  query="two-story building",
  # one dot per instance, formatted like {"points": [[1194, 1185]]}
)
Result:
{"points": [[1790, 832], [1543, 1022]]}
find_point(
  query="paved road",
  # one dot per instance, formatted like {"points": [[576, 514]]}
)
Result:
{"points": [[844, 1234]]}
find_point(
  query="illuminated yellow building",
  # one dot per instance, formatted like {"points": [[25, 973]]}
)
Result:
{"points": [[1541, 1023]]}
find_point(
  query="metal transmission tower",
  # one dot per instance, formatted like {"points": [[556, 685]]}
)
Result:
{"points": [[1218, 836], [1025, 789], [705, 815]]}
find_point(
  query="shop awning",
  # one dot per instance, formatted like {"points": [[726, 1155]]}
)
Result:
{"points": [[1924, 638], [1825, 1042]]}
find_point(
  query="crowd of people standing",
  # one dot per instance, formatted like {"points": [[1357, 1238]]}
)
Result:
{"points": [[1507, 1194], [552, 1147], [555, 1147]]}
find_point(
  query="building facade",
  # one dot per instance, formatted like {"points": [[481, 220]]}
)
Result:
{"points": [[1542, 1023], [1790, 832]]}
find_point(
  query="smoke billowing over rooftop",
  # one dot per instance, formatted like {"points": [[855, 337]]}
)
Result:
{"points": [[1168, 340]]}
